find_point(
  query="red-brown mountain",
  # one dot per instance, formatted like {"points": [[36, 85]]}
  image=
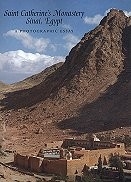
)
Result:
{"points": [[90, 91]]}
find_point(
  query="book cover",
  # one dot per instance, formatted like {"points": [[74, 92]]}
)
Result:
{"points": [[64, 76]]}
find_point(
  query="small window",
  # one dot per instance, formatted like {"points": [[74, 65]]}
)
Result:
{"points": [[118, 146]]}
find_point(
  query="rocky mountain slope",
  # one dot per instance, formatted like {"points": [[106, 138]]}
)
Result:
{"points": [[91, 91], [36, 79], [3, 86], [30, 81]]}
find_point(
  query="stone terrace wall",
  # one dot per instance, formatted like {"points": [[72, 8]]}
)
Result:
{"points": [[21, 161], [34, 164], [38, 164], [90, 158], [75, 164], [26, 162], [58, 167], [95, 154]]}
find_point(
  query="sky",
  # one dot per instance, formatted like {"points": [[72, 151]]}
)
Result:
{"points": [[35, 34]]}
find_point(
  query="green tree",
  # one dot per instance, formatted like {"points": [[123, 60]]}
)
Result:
{"points": [[100, 165], [85, 170], [120, 170], [116, 162]]}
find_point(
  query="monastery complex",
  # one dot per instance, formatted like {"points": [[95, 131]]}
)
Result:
{"points": [[68, 157]]}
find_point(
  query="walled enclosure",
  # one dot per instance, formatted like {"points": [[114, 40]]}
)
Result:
{"points": [[65, 167]]}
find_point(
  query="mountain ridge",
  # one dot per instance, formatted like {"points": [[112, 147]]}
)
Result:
{"points": [[30, 81], [90, 68], [90, 92]]}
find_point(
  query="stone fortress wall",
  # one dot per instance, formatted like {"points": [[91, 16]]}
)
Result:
{"points": [[63, 166]]}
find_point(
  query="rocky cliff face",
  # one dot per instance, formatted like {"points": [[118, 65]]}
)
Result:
{"points": [[91, 90]]}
